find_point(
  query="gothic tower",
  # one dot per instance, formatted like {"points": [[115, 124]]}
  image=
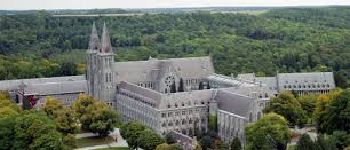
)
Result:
{"points": [[94, 47], [105, 79]]}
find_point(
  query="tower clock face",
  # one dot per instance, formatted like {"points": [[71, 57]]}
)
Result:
{"points": [[169, 81]]}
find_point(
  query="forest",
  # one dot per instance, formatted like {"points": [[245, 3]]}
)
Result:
{"points": [[280, 39]]}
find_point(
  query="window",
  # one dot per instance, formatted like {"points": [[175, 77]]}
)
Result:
{"points": [[168, 105], [183, 113], [170, 123], [259, 115], [170, 114], [250, 117], [106, 77], [163, 115]]}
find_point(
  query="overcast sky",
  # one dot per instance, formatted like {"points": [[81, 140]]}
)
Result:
{"points": [[83, 4]]}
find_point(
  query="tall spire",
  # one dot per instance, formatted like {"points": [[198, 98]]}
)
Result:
{"points": [[106, 42], [94, 43]]}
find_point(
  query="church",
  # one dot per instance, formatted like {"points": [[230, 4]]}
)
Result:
{"points": [[183, 95]]}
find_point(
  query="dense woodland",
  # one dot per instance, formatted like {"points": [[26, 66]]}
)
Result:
{"points": [[284, 40]]}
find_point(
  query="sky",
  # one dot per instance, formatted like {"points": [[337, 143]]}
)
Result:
{"points": [[91, 4]]}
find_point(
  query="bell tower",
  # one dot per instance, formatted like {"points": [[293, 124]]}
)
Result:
{"points": [[94, 47], [105, 79]]}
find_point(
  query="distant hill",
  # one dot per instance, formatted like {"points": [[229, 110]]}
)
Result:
{"points": [[261, 40]]}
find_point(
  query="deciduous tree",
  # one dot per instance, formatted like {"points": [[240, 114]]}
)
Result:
{"points": [[286, 105], [270, 132]]}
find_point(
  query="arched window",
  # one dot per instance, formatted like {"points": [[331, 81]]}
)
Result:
{"points": [[250, 117], [177, 122], [259, 115], [183, 121]]}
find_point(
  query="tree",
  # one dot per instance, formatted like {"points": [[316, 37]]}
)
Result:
{"points": [[103, 119], [80, 107], [7, 132], [52, 140], [335, 116], [66, 121], [341, 79], [236, 144], [131, 132], [7, 107], [69, 69], [148, 140], [270, 132], [96, 117], [81, 104], [308, 104], [324, 142], [52, 106], [287, 106], [305, 143], [341, 139], [34, 130]]}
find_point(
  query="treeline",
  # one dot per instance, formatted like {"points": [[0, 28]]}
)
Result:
{"points": [[284, 40]]}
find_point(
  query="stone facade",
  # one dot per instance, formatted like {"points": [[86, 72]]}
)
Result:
{"points": [[299, 83]]}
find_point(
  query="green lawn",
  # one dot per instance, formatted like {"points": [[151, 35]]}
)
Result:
{"points": [[91, 141]]}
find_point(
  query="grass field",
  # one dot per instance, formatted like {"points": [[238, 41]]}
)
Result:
{"points": [[91, 141]]}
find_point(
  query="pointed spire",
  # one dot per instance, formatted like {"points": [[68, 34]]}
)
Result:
{"points": [[106, 42], [94, 43]]}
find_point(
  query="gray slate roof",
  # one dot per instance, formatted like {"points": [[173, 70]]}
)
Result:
{"points": [[14, 84], [323, 79], [53, 88], [138, 71], [234, 103]]}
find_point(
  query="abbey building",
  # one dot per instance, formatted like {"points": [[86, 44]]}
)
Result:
{"points": [[178, 95], [175, 94]]}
